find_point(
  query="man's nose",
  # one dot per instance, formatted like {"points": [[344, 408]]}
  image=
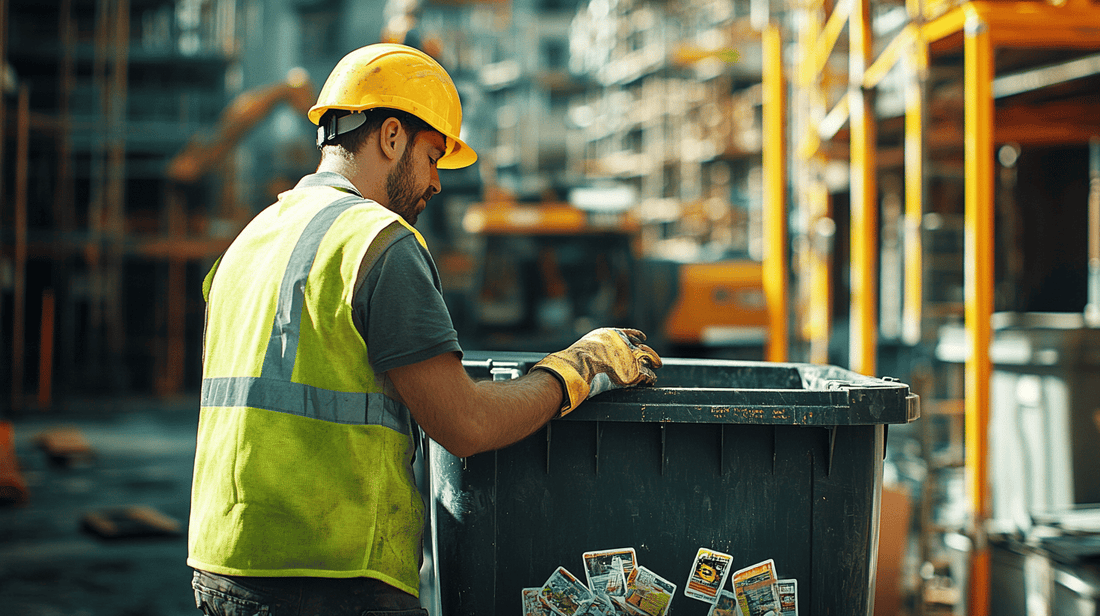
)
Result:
{"points": [[435, 186]]}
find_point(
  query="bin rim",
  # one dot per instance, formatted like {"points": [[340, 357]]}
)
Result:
{"points": [[829, 395]]}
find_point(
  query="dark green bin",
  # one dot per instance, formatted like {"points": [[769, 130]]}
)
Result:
{"points": [[759, 460]]}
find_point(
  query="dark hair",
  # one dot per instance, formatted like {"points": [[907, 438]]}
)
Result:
{"points": [[354, 139]]}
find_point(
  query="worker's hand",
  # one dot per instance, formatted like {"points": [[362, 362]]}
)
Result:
{"points": [[605, 358]]}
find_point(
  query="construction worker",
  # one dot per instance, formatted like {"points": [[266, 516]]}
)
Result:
{"points": [[328, 347]]}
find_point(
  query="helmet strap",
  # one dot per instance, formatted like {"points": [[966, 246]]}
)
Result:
{"points": [[339, 125]]}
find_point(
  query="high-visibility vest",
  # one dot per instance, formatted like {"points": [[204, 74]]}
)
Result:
{"points": [[303, 464]]}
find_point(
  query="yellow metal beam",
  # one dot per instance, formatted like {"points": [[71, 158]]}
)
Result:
{"points": [[886, 60], [835, 119], [810, 143], [775, 194], [830, 34], [944, 26], [1038, 24], [978, 281], [1023, 24], [864, 223], [824, 130], [985, 26], [808, 32]]}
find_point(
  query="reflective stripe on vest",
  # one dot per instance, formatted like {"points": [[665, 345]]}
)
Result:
{"points": [[273, 390], [306, 401]]}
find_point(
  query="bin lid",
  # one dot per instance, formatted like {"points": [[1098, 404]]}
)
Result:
{"points": [[734, 392]]}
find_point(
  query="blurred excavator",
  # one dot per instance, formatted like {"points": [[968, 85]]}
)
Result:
{"points": [[203, 152], [549, 272], [544, 272], [211, 152]]}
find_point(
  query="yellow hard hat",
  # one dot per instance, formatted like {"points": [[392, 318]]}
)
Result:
{"points": [[398, 77]]}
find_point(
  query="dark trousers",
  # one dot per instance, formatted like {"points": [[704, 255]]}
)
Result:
{"points": [[223, 595]]}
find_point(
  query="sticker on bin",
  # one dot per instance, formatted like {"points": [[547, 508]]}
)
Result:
{"points": [[726, 605], [607, 570], [647, 594], [532, 606], [708, 575], [565, 594], [788, 597], [755, 589]]}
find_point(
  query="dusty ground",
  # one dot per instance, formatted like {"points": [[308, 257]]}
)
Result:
{"points": [[50, 565]]}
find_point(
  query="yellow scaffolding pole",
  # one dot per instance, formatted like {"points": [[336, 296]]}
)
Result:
{"points": [[979, 27], [864, 205], [985, 27], [829, 35], [775, 194], [978, 274]]}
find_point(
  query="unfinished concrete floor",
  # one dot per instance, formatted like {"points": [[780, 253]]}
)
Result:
{"points": [[50, 565]]}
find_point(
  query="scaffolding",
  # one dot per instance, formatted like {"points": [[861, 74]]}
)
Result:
{"points": [[965, 37], [96, 248]]}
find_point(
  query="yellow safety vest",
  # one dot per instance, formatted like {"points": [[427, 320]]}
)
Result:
{"points": [[303, 465]]}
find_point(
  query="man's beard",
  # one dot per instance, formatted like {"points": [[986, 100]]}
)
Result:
{"points": [[401, 192]]}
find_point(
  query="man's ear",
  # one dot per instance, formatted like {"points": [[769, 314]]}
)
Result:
{"points": [[391, 137]]}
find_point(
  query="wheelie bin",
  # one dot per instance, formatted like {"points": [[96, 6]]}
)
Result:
{"points": [[758, 460]]}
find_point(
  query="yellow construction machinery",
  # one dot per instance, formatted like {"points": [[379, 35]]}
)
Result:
{"points": [[549, 272]]}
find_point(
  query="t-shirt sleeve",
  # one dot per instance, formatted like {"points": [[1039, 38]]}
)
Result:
{"points": [[399, 307]]}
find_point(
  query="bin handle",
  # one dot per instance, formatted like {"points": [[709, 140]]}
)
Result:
{"points": [[912, 407]]}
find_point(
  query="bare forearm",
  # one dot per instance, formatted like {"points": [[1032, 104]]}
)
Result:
{"points": [[468, 417], [515, 409]]}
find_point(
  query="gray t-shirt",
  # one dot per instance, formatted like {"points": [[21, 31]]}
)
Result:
{"points": [[398, 305]]}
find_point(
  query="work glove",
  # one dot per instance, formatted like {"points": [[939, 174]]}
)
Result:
{"points": [[605, 358]]}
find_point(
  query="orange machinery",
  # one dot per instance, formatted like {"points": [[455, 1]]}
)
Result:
{"points": [[550, 272], [719, 304]]}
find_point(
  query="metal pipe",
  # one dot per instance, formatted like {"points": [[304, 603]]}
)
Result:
{"points": [[864, 224], [978, 275], [775, 194], [830, 34]]}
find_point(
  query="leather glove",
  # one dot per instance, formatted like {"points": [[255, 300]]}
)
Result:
{"points": [[605, 358]]}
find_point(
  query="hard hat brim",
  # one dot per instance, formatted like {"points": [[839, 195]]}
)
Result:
{"points": [[459, 156]]}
